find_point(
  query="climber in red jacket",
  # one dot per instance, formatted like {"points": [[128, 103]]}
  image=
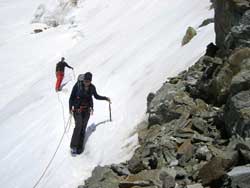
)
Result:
{"points": [[60, 66]]}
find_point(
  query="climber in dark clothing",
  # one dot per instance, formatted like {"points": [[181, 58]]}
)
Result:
{"points": [[81, 105], [60, 66]]}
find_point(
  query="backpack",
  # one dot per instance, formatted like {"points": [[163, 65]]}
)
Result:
{"points": [[79, 100]]}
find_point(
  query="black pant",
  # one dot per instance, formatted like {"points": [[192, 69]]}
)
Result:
{"points": [[81, 121]]}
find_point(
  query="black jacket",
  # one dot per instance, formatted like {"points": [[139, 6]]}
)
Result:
{"points": [[80, 98], [60, 66]]}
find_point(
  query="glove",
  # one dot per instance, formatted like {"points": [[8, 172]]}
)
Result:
{"points": [[108, 99]]}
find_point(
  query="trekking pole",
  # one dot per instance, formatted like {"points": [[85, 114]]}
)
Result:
{"points": [[110, 115]]}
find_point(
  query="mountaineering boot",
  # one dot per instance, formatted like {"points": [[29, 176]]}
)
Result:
{"points": [[73, 151], [79, 151]]}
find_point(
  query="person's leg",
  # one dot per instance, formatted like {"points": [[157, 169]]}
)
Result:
{"points": [[59, 76], [85, 119], [76, 136]]}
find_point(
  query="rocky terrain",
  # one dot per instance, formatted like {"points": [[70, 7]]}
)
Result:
{"points": [[198, 129]]}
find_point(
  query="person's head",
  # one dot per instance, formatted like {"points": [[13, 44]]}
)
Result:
{"points": [[87, 79], [62, 59]]}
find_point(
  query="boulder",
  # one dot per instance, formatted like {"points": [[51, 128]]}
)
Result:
{"points": [[239, 177], [241, 181], [240, 82], [236, 60], [102, 177], [197, 185], [237, 114], [190, 33], [168, 182], [198, 124], [212, 172], [240, 33], [203, 153], [220, 85], [170, 103], [228, 13], [200, 138], [120, 170], [135, 164], [185, 152], [143, 179]]}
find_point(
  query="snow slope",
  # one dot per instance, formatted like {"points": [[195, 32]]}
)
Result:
{"points": [[130, 46]]}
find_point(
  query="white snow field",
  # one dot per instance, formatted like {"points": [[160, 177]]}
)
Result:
{"points": [[130, 46]]}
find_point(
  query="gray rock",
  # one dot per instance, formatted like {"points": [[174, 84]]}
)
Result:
{"points": [[102, 177], [239, 60], [239, 170], [168, 182], [240, 82], [245, 64], [241, 181], [143, 178], [136, 165], [198, 124], [190, 33], [197, 185], [170, 103], [207, 86], [214, 170], [203, 153], [168, 155], [240, 33], [166, 171], [120, 170], [184, 133], [237, 114], [174, 163], [245, 153], [149, 99], [180, 173], [228, 13], [185, 152], [200, 138], [240, 177], [242, 147], [220, 84]]}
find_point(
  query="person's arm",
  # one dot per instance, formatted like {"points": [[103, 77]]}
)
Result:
{"points": [[98, 97], [66, 64], [72, 97]]}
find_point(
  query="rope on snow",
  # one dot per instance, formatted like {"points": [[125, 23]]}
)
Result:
{"points": [[66, 126]]}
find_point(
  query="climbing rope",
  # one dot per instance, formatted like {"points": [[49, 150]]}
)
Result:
{"points": [[66, 127], [64, 119]]}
